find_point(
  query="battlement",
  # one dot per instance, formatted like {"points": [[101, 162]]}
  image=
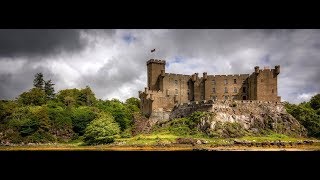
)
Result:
{"points": [[230, 75], [156, 61], [177, 75]]}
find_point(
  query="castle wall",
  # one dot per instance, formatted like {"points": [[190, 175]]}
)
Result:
{"points": [[216, 86], [176, 85]]}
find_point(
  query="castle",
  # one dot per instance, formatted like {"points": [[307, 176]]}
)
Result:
{"points": [[166, 89]]}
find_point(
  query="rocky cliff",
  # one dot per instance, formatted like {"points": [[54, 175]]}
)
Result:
{"points": [[251, 116]]}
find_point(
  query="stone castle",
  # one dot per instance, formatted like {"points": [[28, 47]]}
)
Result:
{"points": [[165, 90]]}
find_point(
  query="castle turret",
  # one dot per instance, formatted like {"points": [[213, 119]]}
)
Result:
{"points": [[256, 69], [194, 77], [277, 69], [205, 76], [155, 69]]}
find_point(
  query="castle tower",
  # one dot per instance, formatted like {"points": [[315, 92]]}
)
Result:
{"points": [[155, 69], [263, 84]]}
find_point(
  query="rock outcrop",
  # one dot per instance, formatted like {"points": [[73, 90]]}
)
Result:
{"points": [[253, 116]]}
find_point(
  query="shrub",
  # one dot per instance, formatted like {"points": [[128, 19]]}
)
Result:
{"points": [[101, 130], [122, 113], [34, 96], [81, 117]]}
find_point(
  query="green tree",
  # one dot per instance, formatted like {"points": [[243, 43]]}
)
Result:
{"points": [[6, 109], [41, 115], [133, 101], [120, 112], [133, 104], [86, 97], [306, 116], [49, 89], [61, 122], [34, 96], [81, 117], [68, 96], [38, 81], [315, 102], [102, 130]]}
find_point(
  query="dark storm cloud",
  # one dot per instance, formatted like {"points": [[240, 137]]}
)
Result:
{"points": [[39, 42], [112, 76], [13, 84]]}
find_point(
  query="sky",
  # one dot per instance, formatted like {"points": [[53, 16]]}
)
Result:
{"points": [[113, 61]]}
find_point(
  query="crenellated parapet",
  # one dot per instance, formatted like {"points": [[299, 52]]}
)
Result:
{"points": [[156, 61]]}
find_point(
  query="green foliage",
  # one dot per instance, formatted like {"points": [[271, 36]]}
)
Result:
{"points": [[34, 96], [196, 117], [86, 97], [133, 103], [38, 81], [6, 109], [102, 130], [59, 117], [127, 133], [29, 126], [307, 114], [121, 113], [76, 97], [27, 120], [40, 114], [315, 102], [181, 126], [68, 96], [81, 117], [49, 89], [40, 137]]}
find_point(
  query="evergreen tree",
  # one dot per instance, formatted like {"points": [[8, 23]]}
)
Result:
{"points": [[49, 89], [38, 81]]}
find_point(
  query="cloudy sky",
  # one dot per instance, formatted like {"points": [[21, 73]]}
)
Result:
{"points": [[113, 62]]}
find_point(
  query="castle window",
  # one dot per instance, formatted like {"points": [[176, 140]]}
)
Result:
{"points": [[226, 81], [176, 91], [214, 90], [272, 91], [225, 97], [235, 90], [244, 89], [235, 81], [214, 82], [226, 90], [188, 91]]}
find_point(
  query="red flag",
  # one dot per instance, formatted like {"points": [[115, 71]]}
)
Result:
{"points": [[153, 50]]}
